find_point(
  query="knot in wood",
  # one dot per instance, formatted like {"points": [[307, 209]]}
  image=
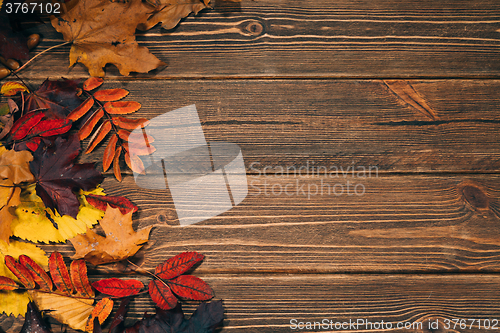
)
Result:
{"points": [[475, 197], [254, 28]]}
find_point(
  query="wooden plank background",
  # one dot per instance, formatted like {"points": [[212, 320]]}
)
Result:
{"points": [[409, 88]]}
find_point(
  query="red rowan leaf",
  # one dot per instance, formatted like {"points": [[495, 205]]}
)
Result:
{"points": [[78, 271], [57, 176], [92, 82], [90, 124], [118, 288], [51, 127], [178, 265], [33, 143], [37, 272], [130, 124], [60, 274], [139, 149], [81, 110], [101, 311], [101, 202], [191, 287], [116, 164], [109, 153], [23, 125], [7, 284], [123, 107], [205, 319], [100, 135], [134, 163], [110, 95], [139, 138], [21, 272], [162, 295]]}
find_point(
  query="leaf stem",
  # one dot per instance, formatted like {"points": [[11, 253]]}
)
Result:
{"points": [[142, 269], [37, 55]]}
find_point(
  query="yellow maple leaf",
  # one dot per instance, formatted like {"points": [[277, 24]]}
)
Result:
{"points": [[33, 219], [121, 240], [68, 310], [15, 302]]}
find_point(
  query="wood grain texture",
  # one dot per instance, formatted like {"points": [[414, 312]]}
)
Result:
{"points": [[256, 303], [432, 126], [305, 224], [275, 38]]}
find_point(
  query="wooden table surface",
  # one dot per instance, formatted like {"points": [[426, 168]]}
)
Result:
{"points": [[406, 88]]}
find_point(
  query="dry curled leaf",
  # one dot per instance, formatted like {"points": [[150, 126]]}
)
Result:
{"points": [[172, 11], [102, 32], [121, 240]]}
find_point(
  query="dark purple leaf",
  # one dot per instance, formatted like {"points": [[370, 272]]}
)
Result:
{"points": [[58, 177]]}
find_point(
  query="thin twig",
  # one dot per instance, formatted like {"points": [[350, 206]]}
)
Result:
{"points": [[141, 269], [39, 54]]}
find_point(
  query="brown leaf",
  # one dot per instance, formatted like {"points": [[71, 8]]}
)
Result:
{"points": [[109, 153], [121, 240], [172, 11], [90, 124], [99, 135], [102, 32]]}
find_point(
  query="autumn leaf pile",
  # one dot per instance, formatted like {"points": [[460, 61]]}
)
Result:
{"points": [[70, 298], [47, 196]]}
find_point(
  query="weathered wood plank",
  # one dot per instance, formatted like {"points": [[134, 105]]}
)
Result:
{"points": [[363, 39], [305, 224], [397, 126], [269, 303]]}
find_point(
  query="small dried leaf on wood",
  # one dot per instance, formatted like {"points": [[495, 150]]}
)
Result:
{"points": [[92, 82], [89, 125], [178, 265], [82, 109], [191, 287], [37, 272], [122, 107], [101, 311], [130, 124], [172, 11], [117, 287], [99, 135], [162, 295], [60, 274], [110, 95], [116, 164], [21, 272], [102, 201], [109, 153], [78, 271]]}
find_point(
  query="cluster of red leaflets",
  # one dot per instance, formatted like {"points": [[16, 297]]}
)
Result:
{"points": [[169, 280]]}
